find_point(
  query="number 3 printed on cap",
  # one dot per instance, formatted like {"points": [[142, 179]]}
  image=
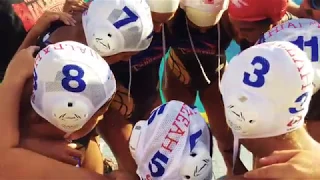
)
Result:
{"points": [[299, 103], [257, 79], [35, 78]]}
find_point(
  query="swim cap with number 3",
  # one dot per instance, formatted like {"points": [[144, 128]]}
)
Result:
{"points": [[266, 88], [71, 82]]}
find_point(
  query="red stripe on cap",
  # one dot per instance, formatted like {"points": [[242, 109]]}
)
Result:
{"points": [[255, 10]]}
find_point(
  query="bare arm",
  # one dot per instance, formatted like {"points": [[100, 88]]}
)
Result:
{"points": [[10, 92], [43, 23], [294, 9], [16, 162], [30, 40]]}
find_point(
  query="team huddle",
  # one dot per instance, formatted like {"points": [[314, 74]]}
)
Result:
{"points": [[93, 71]]}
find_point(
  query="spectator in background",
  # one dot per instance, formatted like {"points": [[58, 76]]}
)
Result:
{"points": [[16, 18]]}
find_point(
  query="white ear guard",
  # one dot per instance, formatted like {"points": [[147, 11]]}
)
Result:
{"points": [[198, 164], [71, 115], [103, 38], [246, 120], [135, 136]]}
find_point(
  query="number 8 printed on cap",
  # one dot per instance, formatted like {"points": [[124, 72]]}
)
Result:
{"points": [[73, 74]]}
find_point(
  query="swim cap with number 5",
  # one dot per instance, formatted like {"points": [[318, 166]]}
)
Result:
{"points": [[116, 26], [175, 143], [71, 82], [305, 33]]}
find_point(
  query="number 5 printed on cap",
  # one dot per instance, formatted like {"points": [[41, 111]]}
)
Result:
{"points": [[155, 166]]}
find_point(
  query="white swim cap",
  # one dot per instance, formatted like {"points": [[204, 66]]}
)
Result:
{"points": [[71, 82], [204, 13], [266, 91], [305, 33], [116, 26], [163, 6], [266, 88], [174, 143]]}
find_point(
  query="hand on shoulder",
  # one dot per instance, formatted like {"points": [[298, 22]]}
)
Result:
{"points": [[287, 164]]}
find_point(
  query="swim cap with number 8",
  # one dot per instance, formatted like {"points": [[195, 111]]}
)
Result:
{"points": [[71, 82], [305, 33]]}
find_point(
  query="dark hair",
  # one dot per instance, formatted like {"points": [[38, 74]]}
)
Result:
{"points": [[264, 21], [315, 4]]}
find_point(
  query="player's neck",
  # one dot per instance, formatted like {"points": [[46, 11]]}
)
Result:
{"points": [[301, 140]]}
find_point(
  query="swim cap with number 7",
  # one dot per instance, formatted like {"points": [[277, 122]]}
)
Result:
{"points": [[71, 82], [116, 26]]}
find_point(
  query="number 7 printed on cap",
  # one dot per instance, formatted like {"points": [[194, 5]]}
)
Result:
{"points": [[132, 17]]}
